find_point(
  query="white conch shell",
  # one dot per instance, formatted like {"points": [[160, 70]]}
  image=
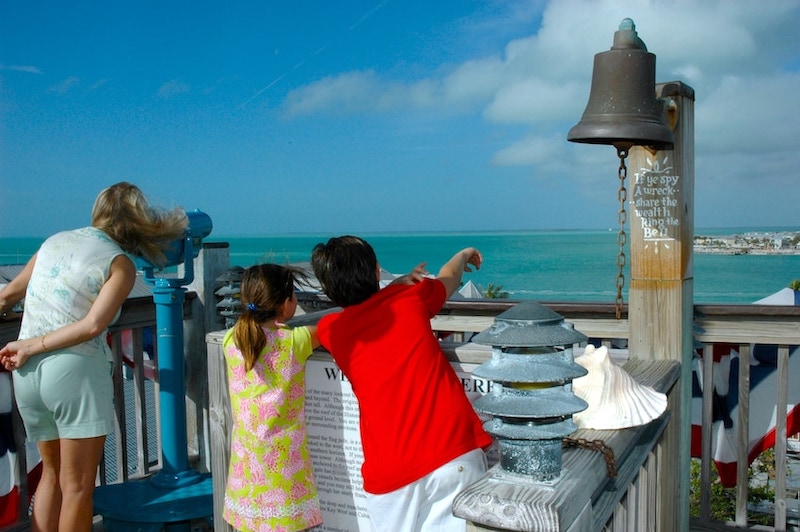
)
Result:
{"points": [[616, 400]]}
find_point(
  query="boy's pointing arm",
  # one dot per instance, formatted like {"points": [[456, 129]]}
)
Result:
{"points": [[450, 274]]}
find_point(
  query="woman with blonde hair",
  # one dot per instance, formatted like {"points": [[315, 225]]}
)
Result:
{"points": [[74, 287]]}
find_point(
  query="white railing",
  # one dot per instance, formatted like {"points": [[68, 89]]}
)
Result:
{"points": [[133, 451], [136, 450], [745, 327], [740, 325]]}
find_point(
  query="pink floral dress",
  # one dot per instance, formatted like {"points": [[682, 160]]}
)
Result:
{"points": [[270, 481]]}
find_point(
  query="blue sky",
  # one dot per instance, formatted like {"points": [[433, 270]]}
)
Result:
{"points": [[371, 116]]}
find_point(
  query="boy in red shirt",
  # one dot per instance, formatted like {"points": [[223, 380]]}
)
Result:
{"points": [[422, 440]]}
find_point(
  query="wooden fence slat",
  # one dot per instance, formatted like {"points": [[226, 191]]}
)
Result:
{"points": [[743, 436], [121, 432]]}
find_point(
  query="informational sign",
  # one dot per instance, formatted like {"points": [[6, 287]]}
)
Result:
{"points": [[335, 442], [655, 199]]}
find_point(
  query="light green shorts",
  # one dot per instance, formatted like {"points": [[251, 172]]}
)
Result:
{"points": [[65, 395]]}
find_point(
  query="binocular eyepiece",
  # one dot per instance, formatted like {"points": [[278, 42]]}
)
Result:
{"points": [[185, 249]]}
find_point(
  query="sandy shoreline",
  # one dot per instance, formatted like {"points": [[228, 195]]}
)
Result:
{"points": [[744, 251]]}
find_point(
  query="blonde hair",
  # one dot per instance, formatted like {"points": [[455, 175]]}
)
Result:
{"points": [[123, 213], [264, 289]]}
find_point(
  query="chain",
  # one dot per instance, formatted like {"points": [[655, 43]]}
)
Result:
{"points": [[622, 238], [595, 445]]}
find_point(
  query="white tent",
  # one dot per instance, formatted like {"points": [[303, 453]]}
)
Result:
{"points": [[787, 297], [387, 277], [468, 291]]}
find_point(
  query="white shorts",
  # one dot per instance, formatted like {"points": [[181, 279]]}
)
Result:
{"points": [[427, 504], [65, 395]]}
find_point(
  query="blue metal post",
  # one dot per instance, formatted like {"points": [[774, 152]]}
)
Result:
{"points": [[175, 469], [177, 493]]}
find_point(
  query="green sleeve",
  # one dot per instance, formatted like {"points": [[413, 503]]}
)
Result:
{"points": [[301, 341]]}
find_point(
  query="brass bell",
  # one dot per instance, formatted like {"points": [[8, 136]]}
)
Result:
{"points": [[623, 109]]}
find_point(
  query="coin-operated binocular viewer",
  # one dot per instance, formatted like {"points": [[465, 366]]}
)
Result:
{"points": [[177, 493], [168, 296], [181, 251]]}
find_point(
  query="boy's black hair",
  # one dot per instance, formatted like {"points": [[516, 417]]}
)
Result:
{"points": [[346, 268]]}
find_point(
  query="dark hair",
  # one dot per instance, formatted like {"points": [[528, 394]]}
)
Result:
{"points": [[264, 289], [346, 268]]}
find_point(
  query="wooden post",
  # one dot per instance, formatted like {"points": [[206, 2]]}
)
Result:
{"points": [[220, 421], [661, 304], [212, 261]]}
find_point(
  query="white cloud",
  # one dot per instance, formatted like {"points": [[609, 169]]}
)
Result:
{"points": [[750, 115], [474, 82], [22, 68], [172, 88], [534, 101], [346, 92], [99, 83], [528, 151], [744, 76], [65, 86]]}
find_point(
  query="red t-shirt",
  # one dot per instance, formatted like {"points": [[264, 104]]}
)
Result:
{"points": [[415, 416]]}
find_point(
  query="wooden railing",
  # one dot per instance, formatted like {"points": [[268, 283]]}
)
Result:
{"points": [[744, 326], [133, 451], [136, 452], [748, 327], [614, 490]]}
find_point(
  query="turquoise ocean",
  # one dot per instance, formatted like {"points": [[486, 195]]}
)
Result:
{"points": [[547, 265]]}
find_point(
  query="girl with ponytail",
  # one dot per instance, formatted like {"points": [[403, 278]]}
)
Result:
{"points": [[270, 480]]}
